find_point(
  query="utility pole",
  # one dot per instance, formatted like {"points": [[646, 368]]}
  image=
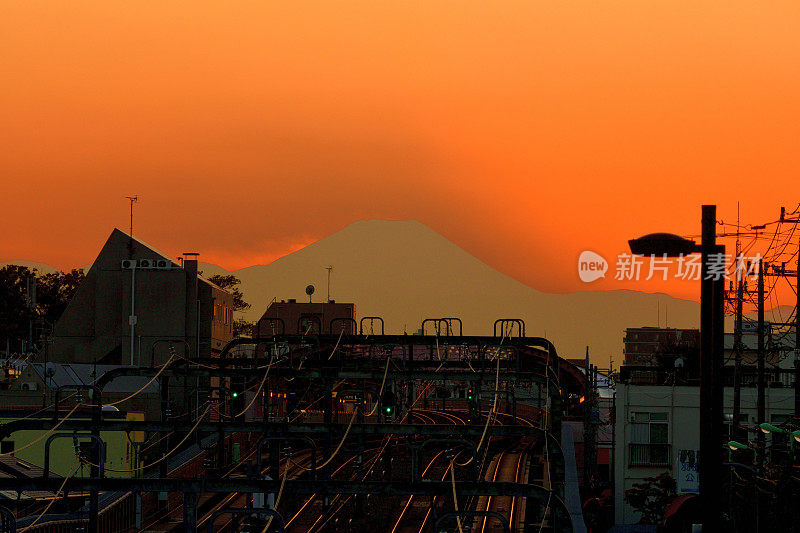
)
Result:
{"points": [[796, 508], [712, 293], [31, 286], [796, 220], [737, 352], [588, 428], [760, 407], [797, 339]]}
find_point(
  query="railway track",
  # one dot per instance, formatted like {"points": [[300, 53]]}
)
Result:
{"points": [[339, 502], [507, 467], [412, 514]]}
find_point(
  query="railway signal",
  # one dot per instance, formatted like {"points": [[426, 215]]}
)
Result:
{"points": [[388, 401], [237, 396], [474, 411]]}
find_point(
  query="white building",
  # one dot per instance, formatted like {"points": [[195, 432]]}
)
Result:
{"points": [[658, 430]]}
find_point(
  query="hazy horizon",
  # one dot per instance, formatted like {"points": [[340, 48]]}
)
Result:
{"points": [[525, 133]]}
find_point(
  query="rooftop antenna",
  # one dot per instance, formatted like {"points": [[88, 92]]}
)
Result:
{"points": [[309, 291], [133, 200], [329, 268]]}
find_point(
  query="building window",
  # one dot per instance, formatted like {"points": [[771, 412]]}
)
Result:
{"points": [[309, 324], [7, 446], [728, 424], [779, 419], [649, 444]]}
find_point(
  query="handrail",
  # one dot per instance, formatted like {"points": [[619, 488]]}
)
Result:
{"points": [[371, 319]]}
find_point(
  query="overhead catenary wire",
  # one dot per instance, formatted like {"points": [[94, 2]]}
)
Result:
{"points": [[47, 408], [490, 415], [45, 434], [338, 447], [163, 457], [455, 495], [155, 377], [336, 346], [278, 497], [73, 469], [260, 387], [383, 383]]}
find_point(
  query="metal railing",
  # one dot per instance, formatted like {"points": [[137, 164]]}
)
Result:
{"points": [[646, 454]]}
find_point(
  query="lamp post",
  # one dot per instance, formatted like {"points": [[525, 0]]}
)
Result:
{"points": [[791, 436], [711, 355]]}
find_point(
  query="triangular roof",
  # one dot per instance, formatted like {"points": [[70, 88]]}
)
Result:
{"points": [[155, 250], [118, 247]]}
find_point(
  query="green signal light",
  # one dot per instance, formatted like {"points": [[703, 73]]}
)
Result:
{"points": [[234, 395], [388, 409]]}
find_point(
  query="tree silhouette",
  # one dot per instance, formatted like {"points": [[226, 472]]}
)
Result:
{"points": [[651, 497], [231, 283], [53, 293]]}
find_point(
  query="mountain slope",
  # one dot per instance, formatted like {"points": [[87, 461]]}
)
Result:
{"points": [[405, 272], [41, 267]]}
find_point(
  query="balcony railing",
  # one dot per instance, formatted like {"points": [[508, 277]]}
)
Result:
{"points": [[656, 375], [644, 454]]}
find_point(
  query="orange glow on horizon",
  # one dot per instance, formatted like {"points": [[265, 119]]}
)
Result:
{"points": [[523, 132]]}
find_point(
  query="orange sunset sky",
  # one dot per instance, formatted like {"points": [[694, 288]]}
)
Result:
{"points": [[523, 131]]}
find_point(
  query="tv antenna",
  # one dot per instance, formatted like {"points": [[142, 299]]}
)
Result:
{"points": [[329, 268], [133, 200]]}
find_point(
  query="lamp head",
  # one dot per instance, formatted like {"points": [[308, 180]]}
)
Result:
{"points": [[769, 428], [663, 243], [734, 445]]}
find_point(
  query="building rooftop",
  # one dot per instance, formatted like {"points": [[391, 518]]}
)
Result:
{"points": [[56, 375], [13, 468]]}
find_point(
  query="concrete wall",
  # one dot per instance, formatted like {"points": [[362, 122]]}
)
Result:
{"points": [[291, 312]]}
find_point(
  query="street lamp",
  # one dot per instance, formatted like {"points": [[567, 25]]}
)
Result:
{"points": [[712, 317], [663, 243], [769, 428], [738, 446], [793, 436]]}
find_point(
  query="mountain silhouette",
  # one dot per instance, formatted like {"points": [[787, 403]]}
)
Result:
{"points": [[405, 272]]}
